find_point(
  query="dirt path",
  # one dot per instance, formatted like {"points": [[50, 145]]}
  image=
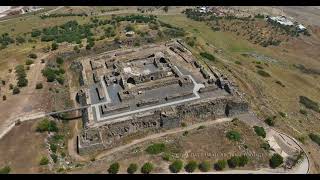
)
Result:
{"points": [[155, 136], [27, 100]]}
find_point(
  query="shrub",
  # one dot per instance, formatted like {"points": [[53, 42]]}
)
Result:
{"points": [[167, 157], [53, 147], [233, 135], [46, 125], [10, 86], [44, 161], [5, 170], [270, 120], [308, 103], [233, 161], [204, 166], [207, 56], [276, 160], [16, 90], [147, 168], [54, 158], [39, 86], [243, 160], [191, 166], [265, 146], [260, 131], [29, 62], [59, 60], [282, 114], [156, 148], [220, 165], [238, 62], [185, 133], [176, 166], [315, 138], [280, 83], [132, 168], [33, 56], [4, 97], [201, 127], [263, 73], [54, 46], [304, 112], [114, 168], [183, 124]]}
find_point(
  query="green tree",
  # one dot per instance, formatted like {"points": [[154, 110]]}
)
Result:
{"points": [[44, 161], [204, 166], [59, 60], [276, 160], [46, 125], [270, 121], [191, 166], [156, 148], [114, 168], [220, 165], [132, 168], [315, 138], [16, 90], [33, 56], [39, 86], [29, 62], [5, 170], [260, 131], [54, 46], [176, 166], [243, 160], [233, 161], [147, 168], [233, 135]]}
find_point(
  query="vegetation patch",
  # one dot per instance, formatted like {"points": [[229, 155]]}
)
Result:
{"points": [[240, 161], [191, 166], [21, 76], [47, 125], [263, 73], [315, 138], [220, 165], [132, 168], [308, 103], [233, 135], [44, 161], [176, 166], [204, 166], [114, 168], [276, 160], [147, 168], [156, 148], [207, 56], [270, 120], [260, 131], [5, 170]]}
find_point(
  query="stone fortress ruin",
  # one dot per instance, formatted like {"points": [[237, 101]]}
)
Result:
{"points": [[149, 88]]}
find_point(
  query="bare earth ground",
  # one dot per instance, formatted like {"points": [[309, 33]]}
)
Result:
{"points": [[29, 100], [22, 148], [197, 145]]}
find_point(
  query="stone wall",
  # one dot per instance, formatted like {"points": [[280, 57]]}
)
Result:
{"points": [[167, 118]]}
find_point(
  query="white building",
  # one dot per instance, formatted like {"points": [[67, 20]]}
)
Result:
{"points": [[282, 20]]}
